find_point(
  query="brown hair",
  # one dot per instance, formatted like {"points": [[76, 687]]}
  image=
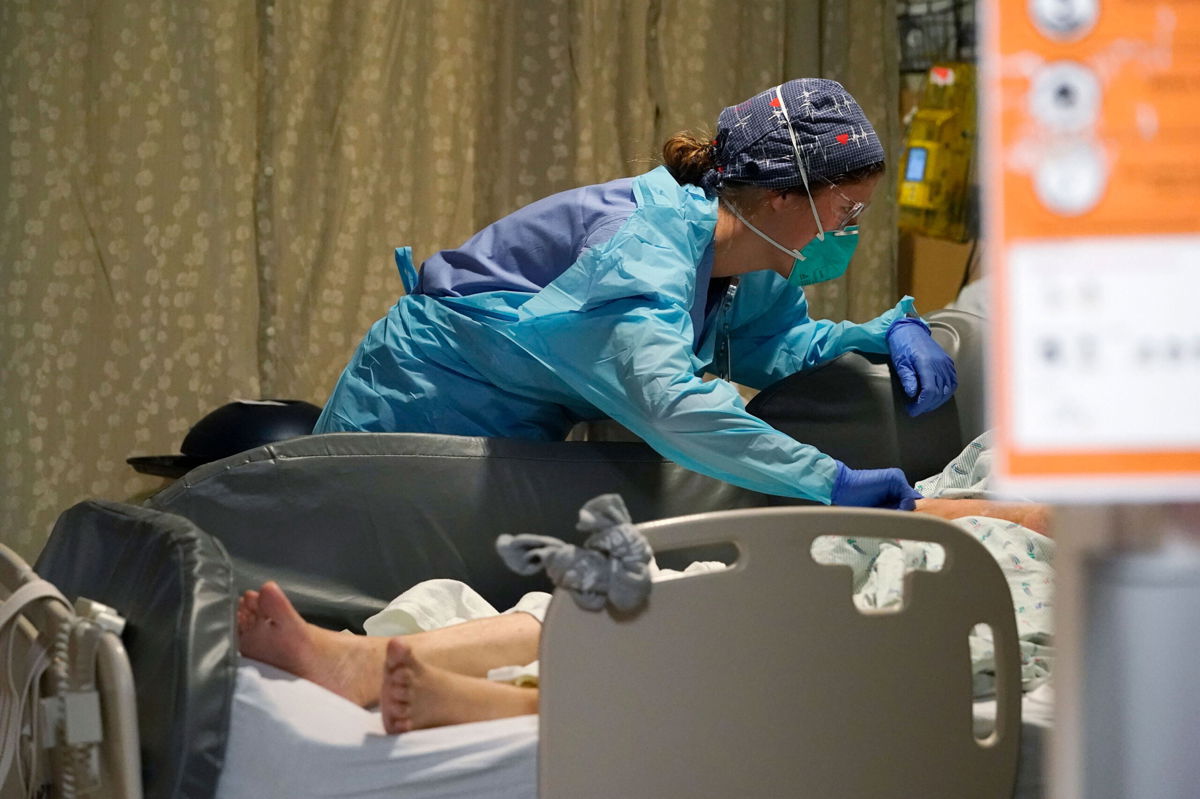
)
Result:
{"points": [[688, 156]]}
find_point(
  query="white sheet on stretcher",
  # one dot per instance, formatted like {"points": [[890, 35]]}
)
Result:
{"points": [[291, 739]]}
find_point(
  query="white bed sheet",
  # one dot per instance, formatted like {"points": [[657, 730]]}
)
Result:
{"points": [[291, 738]]}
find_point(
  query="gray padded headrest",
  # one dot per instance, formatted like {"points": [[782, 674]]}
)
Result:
{"points": [[346, 521]]}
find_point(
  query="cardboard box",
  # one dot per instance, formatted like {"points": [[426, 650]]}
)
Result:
{"points": [[932, 270]]}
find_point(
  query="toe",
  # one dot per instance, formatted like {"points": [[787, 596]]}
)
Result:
{"points": [[396, 722], [399, 655], [397, 685]]}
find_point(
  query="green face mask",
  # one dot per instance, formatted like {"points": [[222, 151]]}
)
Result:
{"points": [[824, 258]]}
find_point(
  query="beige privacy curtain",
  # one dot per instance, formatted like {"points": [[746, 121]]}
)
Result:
{"points": [[200, 200]]}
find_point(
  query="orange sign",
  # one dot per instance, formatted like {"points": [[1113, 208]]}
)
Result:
{"points": [[1092, 177]]}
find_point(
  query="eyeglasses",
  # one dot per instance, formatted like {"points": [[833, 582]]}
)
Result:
{"points": [[856, 208]]}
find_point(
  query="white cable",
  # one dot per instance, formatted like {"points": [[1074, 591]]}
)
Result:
{"points": [[11, 750], [11, 712], [39, 661], [72, 657]]}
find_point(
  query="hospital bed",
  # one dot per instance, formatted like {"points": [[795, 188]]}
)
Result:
{"points": [[344, 522]]}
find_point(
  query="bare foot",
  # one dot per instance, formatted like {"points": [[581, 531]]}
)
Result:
{"points": [[271, 630], [416, 695]]}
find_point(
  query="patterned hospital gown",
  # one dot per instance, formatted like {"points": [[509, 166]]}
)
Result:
{"points": [[1026, 557]]}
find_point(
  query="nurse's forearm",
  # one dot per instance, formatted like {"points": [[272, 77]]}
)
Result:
{"points": [[869, 337]]}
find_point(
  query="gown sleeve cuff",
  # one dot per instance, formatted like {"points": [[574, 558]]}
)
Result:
{"points": [[874, 333]]}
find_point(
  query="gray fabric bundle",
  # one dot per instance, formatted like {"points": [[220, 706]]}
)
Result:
{"points": [[612, 565]]}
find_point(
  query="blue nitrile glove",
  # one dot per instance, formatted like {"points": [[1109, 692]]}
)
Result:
{"points": [[926, 372], [873, 488]]}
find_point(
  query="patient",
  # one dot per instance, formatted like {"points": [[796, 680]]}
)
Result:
{"points": [[426, 679], [1027, 514], [439, 677]]}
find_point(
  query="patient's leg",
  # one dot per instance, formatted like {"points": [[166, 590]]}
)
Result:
{"points": [[416, 694], [271, 630], [476, 647], [1027, 514]]}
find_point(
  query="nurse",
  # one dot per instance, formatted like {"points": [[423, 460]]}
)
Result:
{"points": [[613, 300]]}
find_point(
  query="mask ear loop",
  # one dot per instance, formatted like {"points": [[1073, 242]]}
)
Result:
{"points": [[733, 209], [800, 163]]}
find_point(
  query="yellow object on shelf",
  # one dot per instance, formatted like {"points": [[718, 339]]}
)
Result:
{"points": [[936, 164]]}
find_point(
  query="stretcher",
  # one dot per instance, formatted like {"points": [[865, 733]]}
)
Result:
{"points": [[344, 522]]}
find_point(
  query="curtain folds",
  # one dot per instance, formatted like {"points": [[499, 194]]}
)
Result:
{"points": [[200, 200]]}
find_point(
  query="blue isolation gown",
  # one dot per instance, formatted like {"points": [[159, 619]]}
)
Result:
{"points": [[596, 302]]}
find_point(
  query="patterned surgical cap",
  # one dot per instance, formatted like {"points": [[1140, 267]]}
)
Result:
{"points": [[832, 132]]}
